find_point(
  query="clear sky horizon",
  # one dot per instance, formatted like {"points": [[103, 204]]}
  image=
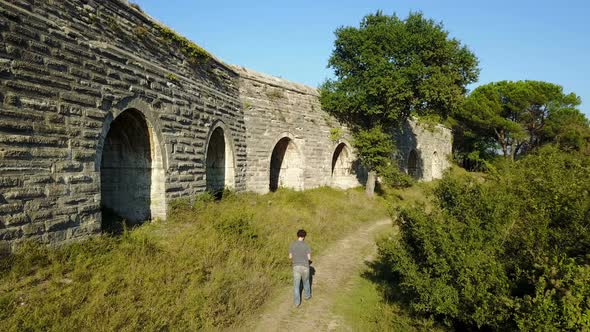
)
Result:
{"points": [[513, 40]]}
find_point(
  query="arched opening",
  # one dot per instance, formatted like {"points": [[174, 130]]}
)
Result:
{"points": [[220, 163], [436, 166], [342, 168], [132, 175], [286, 169], [413, 166]]}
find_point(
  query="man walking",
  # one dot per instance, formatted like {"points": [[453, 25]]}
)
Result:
{"points": [[300, 255]]}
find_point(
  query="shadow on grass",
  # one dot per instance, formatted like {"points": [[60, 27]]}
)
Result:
{"points": [[387, 281], [388, 284]]}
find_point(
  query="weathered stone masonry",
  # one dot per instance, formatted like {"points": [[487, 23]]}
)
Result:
{"points": [[101, 108], [70, 70], [288, 137], [424, 150]]}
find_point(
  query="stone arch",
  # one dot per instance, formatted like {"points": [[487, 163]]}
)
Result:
{"points": [[220, 162], [150, 116], [342, 167], [286, 165], [437, 170], [131, 167], [414, 164]]}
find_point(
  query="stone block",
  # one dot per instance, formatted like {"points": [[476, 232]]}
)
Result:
{"points": [[30, 88], [33, 229], [58, 224], [7, 235], [11, 208], [24, 193], [55, 237], [38, 179], [14, 39], [56, 190], [15, 126], [84, 188], [77, 98], [89, 208], [68, 166], [83, 178], [32, 140], [15, 219], [81, 155]]}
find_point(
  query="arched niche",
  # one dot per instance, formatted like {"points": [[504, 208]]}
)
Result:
{"points": [[286, 166], [220, 170], [414, 165], [437, 170], [132, 174], [343, 175]]}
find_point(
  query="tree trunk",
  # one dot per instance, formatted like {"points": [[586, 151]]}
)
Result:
{"points": [[370, 187], [502, 141]]}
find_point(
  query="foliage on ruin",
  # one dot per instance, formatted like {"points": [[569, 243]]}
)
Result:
{"points": [[140, 31], [390, 68], [375, 147], [172, 77], [506, 251], [247, 105], [274, 94], [192, 51], [335, 134], [431, 122], [210, 265], [135, 6]]}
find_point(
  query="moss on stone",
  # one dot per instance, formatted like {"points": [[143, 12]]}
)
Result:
{"points": [[194, 52]]}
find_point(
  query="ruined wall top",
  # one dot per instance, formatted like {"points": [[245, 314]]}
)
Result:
{"points": [[275, 81]]}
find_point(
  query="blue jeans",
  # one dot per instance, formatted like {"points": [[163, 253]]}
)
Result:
{"points": [[300, 273]]}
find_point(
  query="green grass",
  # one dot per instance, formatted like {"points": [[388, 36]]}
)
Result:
{"points": [[210, 265], [364, 305], [364, 309]]}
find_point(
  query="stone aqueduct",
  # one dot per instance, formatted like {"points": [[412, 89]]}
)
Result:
{"points": [[99, 109]]}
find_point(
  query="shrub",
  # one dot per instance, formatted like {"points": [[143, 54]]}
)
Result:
{"points": [[507, 253]]}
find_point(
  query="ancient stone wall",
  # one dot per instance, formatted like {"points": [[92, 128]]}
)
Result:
{"points": [[104, 111], [100, 106], [289, 143], [424, 150]]}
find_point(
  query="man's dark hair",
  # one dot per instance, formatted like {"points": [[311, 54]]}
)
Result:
{"points": [[301, 233]]}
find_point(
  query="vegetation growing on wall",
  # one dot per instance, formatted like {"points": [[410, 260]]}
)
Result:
{"points": [[194, 52], [172, 77], [389, 68], [335, 134], [135, 6], [140, 31], [274, 94]]}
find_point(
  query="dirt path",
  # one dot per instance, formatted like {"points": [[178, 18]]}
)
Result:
{"points": [[333, 272]]}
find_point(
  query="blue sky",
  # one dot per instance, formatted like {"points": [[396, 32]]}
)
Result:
{"points": [[514, 40]]}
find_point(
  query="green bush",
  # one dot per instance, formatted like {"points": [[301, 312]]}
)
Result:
{"points": [[510, 252], [392, 176]]}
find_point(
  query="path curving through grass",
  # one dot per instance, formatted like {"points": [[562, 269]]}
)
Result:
{"points": [[334, 271]]}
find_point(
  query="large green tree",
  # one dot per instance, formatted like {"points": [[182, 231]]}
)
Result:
{"points": [[519, 116], [390, 68], [569, 129]]}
